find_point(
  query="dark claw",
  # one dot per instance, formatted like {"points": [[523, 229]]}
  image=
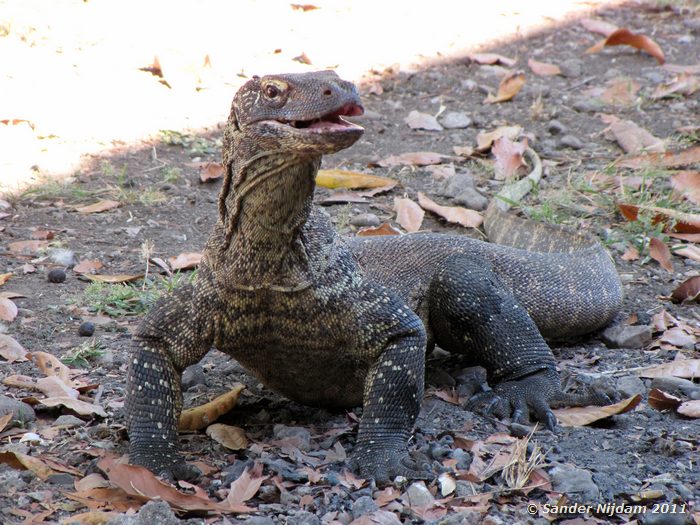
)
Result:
{"points": [[550, 421]]}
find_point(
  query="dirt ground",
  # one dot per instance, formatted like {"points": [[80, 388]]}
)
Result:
{"points": [[645, 457]]}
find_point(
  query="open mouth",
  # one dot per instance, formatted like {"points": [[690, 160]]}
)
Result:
{"points": [[332, 121]]}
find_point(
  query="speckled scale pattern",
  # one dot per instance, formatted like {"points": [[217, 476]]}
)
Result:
{"points": [[334, 322]]}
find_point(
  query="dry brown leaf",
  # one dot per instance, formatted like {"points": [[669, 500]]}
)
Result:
{"points": [[693, 69], [53, 386], [204, 415], [671, 159], [418, 120], [8, 310], [20, 461], [690, 237], [117, 278], [42, 235], [580, 416], [634, 139], [631, 254], [509, 157], [441, 171], [185, 261], [624, 37], [27, 247], [620, 91], [11, 350], [76, 405], [351, 180], [98, 207], [382, 229], [484, 141], [144, 485], [454, 214], [247, 485], [683, 222], [463, 151], [231, 437], [598, 26], [87, 266], [5, 420], [687, 183], [91, 481], [50, 365], [661, 253], [510, 86], [682, 84], [688, 368], [690, 251], [4, 277], [408, 214], [416, 158], [690, 408], [99, 498], [687, 291], [91, 517], [677, 336], [543, 69], [211, 171], [660, 400], [487, 59]]}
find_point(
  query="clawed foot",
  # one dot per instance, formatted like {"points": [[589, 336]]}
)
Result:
{"points": [[383, 465], [536, 393], [169, 469]]}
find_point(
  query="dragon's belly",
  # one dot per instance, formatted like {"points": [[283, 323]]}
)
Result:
{"points": [[301, 346]]}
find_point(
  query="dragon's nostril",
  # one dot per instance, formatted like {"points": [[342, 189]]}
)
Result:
{"points": [[327, 92]]}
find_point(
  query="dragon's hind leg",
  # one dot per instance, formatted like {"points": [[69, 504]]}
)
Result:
{"points": [[472, 312]]}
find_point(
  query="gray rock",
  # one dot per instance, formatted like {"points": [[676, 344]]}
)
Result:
{"points": [[152, 513], [555, 127], [259, 520], [21, 412], [300, 437], [571, 68], [464, 489], [492, 520], [363, 505], [193, 376], [68, 421], [575, 482], [418, 495], [465, 517], [472, 199], [12, 479], [468, 84], [693, 24], [365, 219], [570, 141], [62, 478], [454, 185], [464, 458], [303, 518], [591, 105], [629, 386], [455, 120], [661, 518], [677, 386], [625, 336]]}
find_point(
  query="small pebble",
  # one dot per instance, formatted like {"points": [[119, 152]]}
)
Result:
{"points": [[57, 275], [365, 219], [86, 329], [570, 141], [555, 127]]}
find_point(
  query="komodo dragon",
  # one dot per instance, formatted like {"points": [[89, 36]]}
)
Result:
{"points": [[334, 322]]}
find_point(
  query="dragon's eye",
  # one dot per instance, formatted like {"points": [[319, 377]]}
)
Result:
{"points": [[271, 91]]}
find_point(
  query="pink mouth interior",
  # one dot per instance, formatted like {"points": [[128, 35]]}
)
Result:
{"points": [[333, 121]]}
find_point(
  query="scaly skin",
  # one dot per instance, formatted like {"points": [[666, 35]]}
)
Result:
{"points": [[341, 323]]}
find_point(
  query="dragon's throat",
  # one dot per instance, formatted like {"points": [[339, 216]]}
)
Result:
{"points": [[274, 206]]}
